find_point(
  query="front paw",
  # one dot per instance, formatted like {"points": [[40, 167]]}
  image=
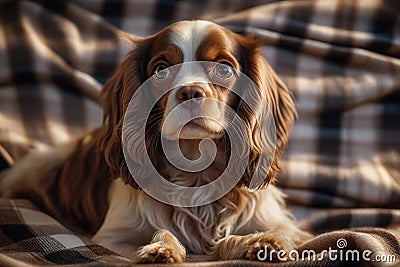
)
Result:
{"points": [[266, 248], [159, 253]]}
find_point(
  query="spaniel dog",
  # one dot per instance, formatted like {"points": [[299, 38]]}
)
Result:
{"points": [[88, 186]]}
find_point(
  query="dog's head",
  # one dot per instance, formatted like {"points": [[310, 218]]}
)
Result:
{"points": [[189, 41]]}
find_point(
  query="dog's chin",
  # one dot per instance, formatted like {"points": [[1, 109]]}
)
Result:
{"points": [[196, 129]]}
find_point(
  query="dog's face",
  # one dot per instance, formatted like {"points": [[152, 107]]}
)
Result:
{"points": [[190, 41]]}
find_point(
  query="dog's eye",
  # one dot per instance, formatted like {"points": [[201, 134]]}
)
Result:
{"points": [[223, 71], [161, 71]]}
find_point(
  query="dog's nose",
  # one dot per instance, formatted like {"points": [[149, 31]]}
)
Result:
{"points": [[190, 92]]}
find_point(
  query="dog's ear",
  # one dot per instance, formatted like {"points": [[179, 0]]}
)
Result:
{"points": [[279, 102], [116, 94]]}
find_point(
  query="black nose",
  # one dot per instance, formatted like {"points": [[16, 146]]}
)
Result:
{"points": [[189, 92]]}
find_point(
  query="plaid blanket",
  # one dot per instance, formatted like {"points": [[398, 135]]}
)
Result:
{"points": [[33, 237], [339, 58]]}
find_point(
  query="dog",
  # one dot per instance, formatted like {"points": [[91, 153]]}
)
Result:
{"points": [[87, 185]]}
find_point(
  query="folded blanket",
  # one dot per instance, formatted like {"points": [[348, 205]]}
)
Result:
{"points": [[339, 58], [33, 237]]}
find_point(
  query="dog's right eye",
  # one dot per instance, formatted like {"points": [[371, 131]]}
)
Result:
{"points": [[161, 71], [224, 70]]}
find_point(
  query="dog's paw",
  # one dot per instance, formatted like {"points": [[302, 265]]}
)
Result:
{"points": [[159, 253], [266, 248]]}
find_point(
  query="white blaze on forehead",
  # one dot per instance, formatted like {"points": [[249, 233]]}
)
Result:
{"points": [[188, 35]]}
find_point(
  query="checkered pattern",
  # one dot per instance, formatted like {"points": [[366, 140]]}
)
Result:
{"points": [[339, 58], [28, 235]]}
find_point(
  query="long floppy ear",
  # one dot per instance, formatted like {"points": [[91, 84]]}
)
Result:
{"points": [[279, 102], [116, 94]]}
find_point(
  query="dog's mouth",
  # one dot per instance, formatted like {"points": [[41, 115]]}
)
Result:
{"points": [[202, 128], [198, 128]]}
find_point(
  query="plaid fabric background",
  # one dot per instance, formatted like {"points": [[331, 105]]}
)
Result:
{"points": [[339, 58], [30, 236]]}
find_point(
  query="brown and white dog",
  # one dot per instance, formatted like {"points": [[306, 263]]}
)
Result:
{"points": [[87, 185]]}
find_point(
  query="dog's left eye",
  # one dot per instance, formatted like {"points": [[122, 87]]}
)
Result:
{"points": [[161, 71], [223, 71]]}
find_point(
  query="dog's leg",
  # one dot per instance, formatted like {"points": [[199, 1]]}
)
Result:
{"points": [[163, 248], [127, 231], [267, 246], [31, 175]]}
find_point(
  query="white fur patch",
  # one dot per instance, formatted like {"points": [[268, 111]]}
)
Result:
{"points": [[188, 35]]}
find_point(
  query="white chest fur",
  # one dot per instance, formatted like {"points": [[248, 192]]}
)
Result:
{"points": [[133, 217]]}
